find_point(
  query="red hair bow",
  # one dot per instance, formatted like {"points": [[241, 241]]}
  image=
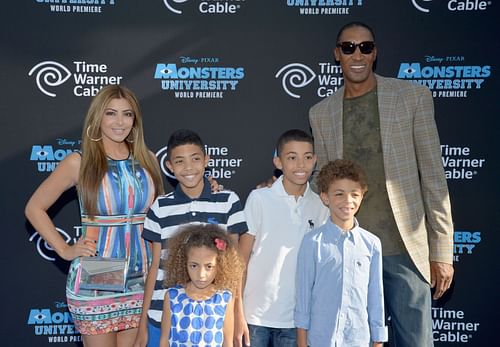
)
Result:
{"points": [[220, 244]]}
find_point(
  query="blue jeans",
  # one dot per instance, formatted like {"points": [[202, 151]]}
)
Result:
{"points": [[408, 303], [272, 337]]}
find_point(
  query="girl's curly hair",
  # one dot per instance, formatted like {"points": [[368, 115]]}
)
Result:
{"points": [[229, 264]]}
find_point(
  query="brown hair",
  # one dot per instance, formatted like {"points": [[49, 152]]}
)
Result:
{"points": [[229, 264], [94, 162], [340, 169]]}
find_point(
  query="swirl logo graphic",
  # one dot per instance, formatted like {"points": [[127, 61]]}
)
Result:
{"points": [[49, 73], [167, 3], [44, 248], [162, 159], [420, 8], [296, 75]]}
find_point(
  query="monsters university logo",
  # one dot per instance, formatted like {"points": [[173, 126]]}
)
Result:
{"points": [[324, 7], [55, 324], [198, 81], [446, 76]]}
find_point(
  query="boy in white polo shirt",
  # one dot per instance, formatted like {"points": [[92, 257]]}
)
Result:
{"points": [[278, 217]]}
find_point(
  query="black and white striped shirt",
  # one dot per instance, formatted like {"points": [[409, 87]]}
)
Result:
{"points": [[171, 211]]}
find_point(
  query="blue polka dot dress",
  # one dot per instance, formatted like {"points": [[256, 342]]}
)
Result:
{"points": [[197, 323]]}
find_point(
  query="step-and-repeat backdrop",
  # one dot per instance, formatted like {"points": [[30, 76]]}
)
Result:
{"points": [[268, 62]]}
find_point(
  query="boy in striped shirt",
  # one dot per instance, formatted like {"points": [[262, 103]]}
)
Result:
{"points": [[192, 202]]}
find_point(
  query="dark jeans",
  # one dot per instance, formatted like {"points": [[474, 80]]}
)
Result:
{"points": [[408, 303], [272, 337]]}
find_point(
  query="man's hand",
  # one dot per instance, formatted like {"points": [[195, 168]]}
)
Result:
{"points": [[268, 183], [441, 277]]}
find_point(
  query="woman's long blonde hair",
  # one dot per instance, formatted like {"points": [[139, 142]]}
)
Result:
{"points": [[94, 162]]}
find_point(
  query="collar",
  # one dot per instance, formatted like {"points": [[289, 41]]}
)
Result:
{"points": [[338, 234], [279, 189], [206, 193]]}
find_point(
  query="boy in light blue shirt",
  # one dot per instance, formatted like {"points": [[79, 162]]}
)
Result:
{"points": [[339, 289]]}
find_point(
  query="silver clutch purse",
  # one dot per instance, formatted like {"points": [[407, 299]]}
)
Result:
{"points": [[107, 274]]}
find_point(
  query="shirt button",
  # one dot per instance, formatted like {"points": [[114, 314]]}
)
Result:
{"points": [[193, 213]]}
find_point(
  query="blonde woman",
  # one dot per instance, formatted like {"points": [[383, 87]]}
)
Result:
{"points": [[117, 179]]}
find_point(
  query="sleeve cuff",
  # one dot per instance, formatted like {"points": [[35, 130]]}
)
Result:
{"points": [[239, 228], [379, 334], [150, 235], [301, 321], [447, 259]]}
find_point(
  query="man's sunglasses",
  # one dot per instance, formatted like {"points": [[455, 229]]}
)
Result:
{"points": [[365, 47]]}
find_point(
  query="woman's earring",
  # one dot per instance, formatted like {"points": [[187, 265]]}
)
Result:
{"points": [[91, 139]]}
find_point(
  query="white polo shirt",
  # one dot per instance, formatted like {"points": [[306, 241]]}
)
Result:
{"points": [[279, 222]]}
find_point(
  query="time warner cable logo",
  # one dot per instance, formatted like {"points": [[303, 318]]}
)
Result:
{"points": [[207, 7], [454, 5], [221, 164], [420, 8], [49, 74], [44, 249], [89, 78], [449, 325], [295, 76]]}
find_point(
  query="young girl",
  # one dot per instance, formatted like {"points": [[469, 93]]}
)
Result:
{"points": [[203, 270]]}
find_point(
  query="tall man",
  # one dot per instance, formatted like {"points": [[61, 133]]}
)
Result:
{"points": [[387, 126]]}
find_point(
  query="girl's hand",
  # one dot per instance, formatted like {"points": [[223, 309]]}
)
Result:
{"points": [[214, 185], [82, 248]]}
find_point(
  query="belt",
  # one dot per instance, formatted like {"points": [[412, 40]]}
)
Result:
{"points": [[113, 220]]}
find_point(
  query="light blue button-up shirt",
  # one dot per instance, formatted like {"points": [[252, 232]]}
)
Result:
{"points": [[340, 297]]}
